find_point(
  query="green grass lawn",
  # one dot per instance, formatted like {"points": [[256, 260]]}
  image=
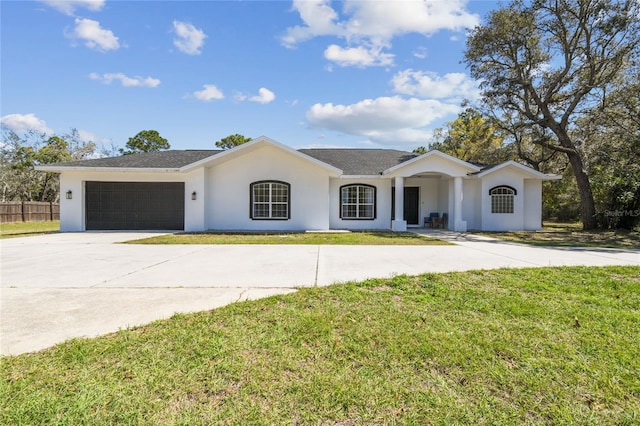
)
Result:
{"points": [[23, 229], [572, 235], [312, 238], [512, 346]]}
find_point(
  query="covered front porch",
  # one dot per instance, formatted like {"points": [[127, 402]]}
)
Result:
{"points": [[433, 201], [434, 183]]}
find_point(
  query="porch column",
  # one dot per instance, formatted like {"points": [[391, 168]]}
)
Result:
{"points": [[459, 225], [399, 224]]}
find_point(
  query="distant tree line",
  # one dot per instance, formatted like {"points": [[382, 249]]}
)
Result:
{"points": [[20, 153]]}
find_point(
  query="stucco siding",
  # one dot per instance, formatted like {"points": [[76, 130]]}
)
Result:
{"points": [[533, 202], [503, 221], [470, 203], [194, 212], [72, 217], [228, 191]]}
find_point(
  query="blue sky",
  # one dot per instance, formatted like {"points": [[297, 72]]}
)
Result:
{"points": [[311, 73]]}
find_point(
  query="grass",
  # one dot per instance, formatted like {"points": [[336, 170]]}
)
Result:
{"points": [[311, 238], [23, 229], [511, 346], [572, 235]]}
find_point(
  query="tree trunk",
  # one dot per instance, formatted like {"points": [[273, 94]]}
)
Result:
{"points": [[587, 204]]}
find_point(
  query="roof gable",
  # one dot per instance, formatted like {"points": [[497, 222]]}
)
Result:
{"points": [[433, 161], [532, 173], [255, 144]]}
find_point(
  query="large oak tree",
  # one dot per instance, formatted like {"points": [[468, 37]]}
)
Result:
{"points": [[545, 64]]}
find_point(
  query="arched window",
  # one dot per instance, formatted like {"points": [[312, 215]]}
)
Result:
{"points": [[270, 200], [358, 202], [502, 199]]}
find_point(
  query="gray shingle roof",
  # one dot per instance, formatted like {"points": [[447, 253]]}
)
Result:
{"points": [[350, 161], [171, 159], [360, 161]]}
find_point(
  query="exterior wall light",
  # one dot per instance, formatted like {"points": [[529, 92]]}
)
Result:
{"points": [[194, 195], [69, 195]]}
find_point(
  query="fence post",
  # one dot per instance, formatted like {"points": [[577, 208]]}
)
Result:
{"points": [[22, 210], [51, 211]]}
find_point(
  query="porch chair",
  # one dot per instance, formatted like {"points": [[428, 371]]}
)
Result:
{"points": [[445, 219], [429, 220]]}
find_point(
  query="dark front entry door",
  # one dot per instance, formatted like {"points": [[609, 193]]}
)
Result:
{"points": [[411, 205], [134, 205]]}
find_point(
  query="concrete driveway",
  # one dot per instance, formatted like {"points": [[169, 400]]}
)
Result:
{"points": [[59, 286]]}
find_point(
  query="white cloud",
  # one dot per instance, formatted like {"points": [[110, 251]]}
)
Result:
{"points": [[94, 36], [264, 96], [374, 24], [125, 80], [319, 19], [189, 38], [68, 7], [209, 93], [23, 122], [385, 120], [358, 56], [430, 85], [387, 19]]}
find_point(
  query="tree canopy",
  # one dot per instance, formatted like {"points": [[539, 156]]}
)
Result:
{"points": [[547, 64], [145, 141], [470, 137], [19, 154], [232, 141]]}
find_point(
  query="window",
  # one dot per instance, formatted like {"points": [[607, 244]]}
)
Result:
{"points": [[270, 200], [358, 202], [502, 199]]}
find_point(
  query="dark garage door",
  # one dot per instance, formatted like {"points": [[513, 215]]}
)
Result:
{"points": [[135, 205]]}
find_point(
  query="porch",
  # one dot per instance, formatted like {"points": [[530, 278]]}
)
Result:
{"points": [[416, 198]]}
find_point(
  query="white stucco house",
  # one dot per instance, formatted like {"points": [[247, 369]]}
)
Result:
{"points": [[265, 185]]}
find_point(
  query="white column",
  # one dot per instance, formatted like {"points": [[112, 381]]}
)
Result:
{"points": [[399, 224], [459, 225]]}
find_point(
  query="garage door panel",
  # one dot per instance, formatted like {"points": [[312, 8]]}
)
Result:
{"points": [[134, 205]]}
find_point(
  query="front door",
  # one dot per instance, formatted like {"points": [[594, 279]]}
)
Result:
{"points": [[412, 205]]}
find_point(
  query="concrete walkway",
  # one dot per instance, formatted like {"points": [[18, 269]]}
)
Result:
{"points": [[58, 286]]}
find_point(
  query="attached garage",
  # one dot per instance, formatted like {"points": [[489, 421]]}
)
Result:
{"points": [[134, 205]]}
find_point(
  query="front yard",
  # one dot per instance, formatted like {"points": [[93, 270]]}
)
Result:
{"points": [[24, 229], [311, 238], [572, 235], [511, 346]]}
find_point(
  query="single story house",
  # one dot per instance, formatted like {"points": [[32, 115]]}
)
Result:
{"points": [[265, 185]]}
